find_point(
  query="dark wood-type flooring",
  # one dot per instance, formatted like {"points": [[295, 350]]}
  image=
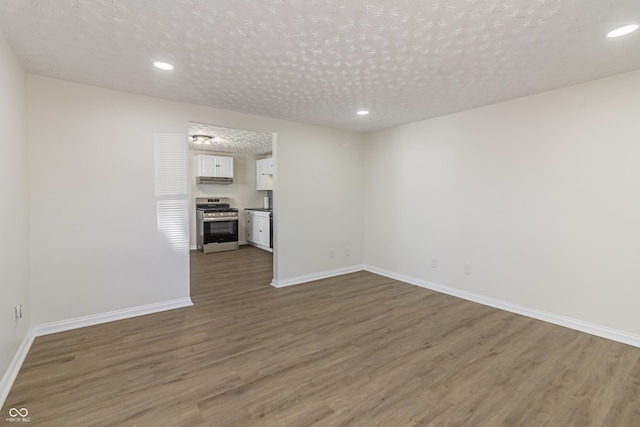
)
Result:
{"points": [[355, 350]]}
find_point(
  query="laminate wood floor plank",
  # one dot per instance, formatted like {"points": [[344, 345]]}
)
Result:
{"points": [[355, 350]]}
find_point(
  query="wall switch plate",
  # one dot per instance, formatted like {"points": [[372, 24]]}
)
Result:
{"points": [[467, 269], [18, 311], [331, 253], [434, 262], [347, 251]]}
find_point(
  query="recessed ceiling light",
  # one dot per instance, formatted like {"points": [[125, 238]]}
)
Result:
{"points": [[362, 112], [163, 65], [622, 31]]}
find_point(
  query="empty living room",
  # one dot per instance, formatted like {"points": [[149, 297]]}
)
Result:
{"points": [[450, 225]]}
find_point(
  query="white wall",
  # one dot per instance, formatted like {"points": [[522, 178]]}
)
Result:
{"points": [[318, 198], [14, 214], [242, 192], [541, 195], [95, 244]]}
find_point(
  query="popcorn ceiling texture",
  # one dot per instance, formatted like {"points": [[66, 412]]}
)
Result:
{"points": [[230, 140], [318, 61]]}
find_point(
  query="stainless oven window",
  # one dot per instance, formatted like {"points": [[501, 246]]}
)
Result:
{"points": [[220, 231]]}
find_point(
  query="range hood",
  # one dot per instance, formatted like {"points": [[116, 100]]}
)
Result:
{"points": [[213, 180]]}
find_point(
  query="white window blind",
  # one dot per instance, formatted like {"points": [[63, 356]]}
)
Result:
{"points": [[171, 181]]}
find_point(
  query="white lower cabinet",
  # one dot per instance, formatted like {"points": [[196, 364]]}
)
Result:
{"points": [[258, 229]]}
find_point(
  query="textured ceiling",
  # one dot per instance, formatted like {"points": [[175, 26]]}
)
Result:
{"points": [[226, 140], [318, 61]]}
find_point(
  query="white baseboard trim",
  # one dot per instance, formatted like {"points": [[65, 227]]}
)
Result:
{"points": [[259, 246], [241, 243], [315, 276], [81, 322], [568, 322], [14, 367]]}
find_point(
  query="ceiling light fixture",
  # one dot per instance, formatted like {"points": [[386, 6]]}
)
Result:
{"points": [[362, 112], [163, 65], [201, 139], [622, 31]]}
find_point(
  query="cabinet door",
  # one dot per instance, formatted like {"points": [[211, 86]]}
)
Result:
{"points": [[263, 230], [206, 165], [248, 226], [259, 175], [264, 174], [255, 228], [224, 166], [268, 166], [266, 231]]}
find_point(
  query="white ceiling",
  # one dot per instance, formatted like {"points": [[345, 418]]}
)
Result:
{"points": [[227, 140], [318, 61]]}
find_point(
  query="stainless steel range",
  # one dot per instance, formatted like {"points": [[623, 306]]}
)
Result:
{"points": [[216, 225]]}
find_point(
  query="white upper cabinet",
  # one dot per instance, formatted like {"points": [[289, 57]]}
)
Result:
{"points": [[264, 174], [214, 169], [268, 166], [225, 166], [206, 165]]}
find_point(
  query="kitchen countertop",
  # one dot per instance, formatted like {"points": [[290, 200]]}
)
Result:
{"points": [[259, 209]]}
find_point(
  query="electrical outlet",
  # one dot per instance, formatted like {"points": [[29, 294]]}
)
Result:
{"points": [[331, 253], [347, 251], [467, 269], [434, 262]]}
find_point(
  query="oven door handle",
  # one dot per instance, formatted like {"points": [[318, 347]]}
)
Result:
{"points": [[219, 219]]}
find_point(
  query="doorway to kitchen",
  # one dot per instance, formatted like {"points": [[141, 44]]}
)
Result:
{"points": [[232, 187]]}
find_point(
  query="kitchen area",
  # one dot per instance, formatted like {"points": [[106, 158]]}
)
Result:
{"points": [[231, 185]]}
